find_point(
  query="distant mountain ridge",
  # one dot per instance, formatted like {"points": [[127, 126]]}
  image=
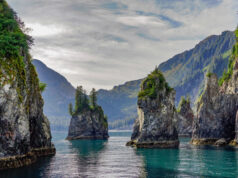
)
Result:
{"points": [[184, 72], [57, 95]]}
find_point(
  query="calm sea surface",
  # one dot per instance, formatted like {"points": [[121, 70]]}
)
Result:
{"points": [[112, 158]]}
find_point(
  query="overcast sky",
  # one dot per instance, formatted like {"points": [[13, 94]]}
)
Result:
{"points": [[102, 43]]}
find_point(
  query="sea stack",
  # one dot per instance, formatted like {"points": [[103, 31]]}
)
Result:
{"points": [[185, 118], [24, 130], [216, 118], [88, 120], [155, 126]]}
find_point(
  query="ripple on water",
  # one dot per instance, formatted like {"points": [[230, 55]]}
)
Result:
{"points": [[109, 159]]}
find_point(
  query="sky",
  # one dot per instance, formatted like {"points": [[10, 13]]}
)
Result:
{"points": [[103, 43]]}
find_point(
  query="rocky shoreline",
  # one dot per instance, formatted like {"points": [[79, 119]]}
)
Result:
{"points": [[157, 144], [18, 161]]}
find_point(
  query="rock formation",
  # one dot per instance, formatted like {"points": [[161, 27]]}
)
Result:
{"points": [[215, 122], [87, 122], [156, 122], [185, 118], [24, 130], [216, 114]]}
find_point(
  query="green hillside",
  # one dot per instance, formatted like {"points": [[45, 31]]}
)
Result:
{"points": [[184, 72]]}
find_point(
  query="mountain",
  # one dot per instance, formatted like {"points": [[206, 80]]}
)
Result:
{"points": [[57, 95], [184, 72], [119, 104]]}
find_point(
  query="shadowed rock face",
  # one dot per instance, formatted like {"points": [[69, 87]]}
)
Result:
{"points": [[156, 122], [216, 113], [216, 119], [88, 125], [24, 130], [185, 120]]}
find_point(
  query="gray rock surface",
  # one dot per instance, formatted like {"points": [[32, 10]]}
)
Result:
{"points": [[156, 122], [185, 119], [88, 125], [216, 113], [23, 125], [221, 142]]}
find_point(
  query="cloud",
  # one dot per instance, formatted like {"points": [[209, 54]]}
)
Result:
{"points": [[105, 43], [40, 30], [140, 21]]}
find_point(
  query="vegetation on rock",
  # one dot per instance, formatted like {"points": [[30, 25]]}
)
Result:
{"points": [[153, 83], [14, 46], [42, 86], [209, 74], [93, 98], [83, 103], [182, 102], [226, 76]]}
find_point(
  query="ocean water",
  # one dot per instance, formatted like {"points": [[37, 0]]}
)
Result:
{"points": [[109, 159]]}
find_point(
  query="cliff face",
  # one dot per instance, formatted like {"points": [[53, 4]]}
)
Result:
{"points": [[156, 123], [217, 109], [24, 130], [89, 124], [216, 114], [185, 118]]}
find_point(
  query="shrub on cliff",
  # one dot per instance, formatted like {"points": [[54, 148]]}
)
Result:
{"points": [[14, 46], [182, 102], [227, 74], [153, 83]]}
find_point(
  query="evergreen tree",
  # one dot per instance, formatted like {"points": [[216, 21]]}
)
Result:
{"points": [[93, 98], [85, 102], [71, 109], [78, 99]]}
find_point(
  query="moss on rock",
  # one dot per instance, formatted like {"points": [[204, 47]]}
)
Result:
{"points": [[153, 83]]}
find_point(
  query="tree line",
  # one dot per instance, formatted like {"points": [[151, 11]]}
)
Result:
{"points": [[82, 101]]}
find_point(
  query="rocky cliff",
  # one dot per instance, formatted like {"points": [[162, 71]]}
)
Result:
{"points": [[88, 121], [216, 114], [215, 122], [24, 130], [156, 123], [185, 118], [88, 125]]}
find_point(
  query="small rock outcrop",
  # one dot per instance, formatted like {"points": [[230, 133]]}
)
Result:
{"points": [[24, 130], [185, 118], [155, 126], [88, 121]]}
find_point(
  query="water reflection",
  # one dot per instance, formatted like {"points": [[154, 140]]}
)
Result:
{"points": [[190, 161], [98, 158], [159, 162], [87, 148], [88, 155]]}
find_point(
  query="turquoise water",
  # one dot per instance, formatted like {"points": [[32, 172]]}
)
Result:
{"points": [[112, 158]]}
